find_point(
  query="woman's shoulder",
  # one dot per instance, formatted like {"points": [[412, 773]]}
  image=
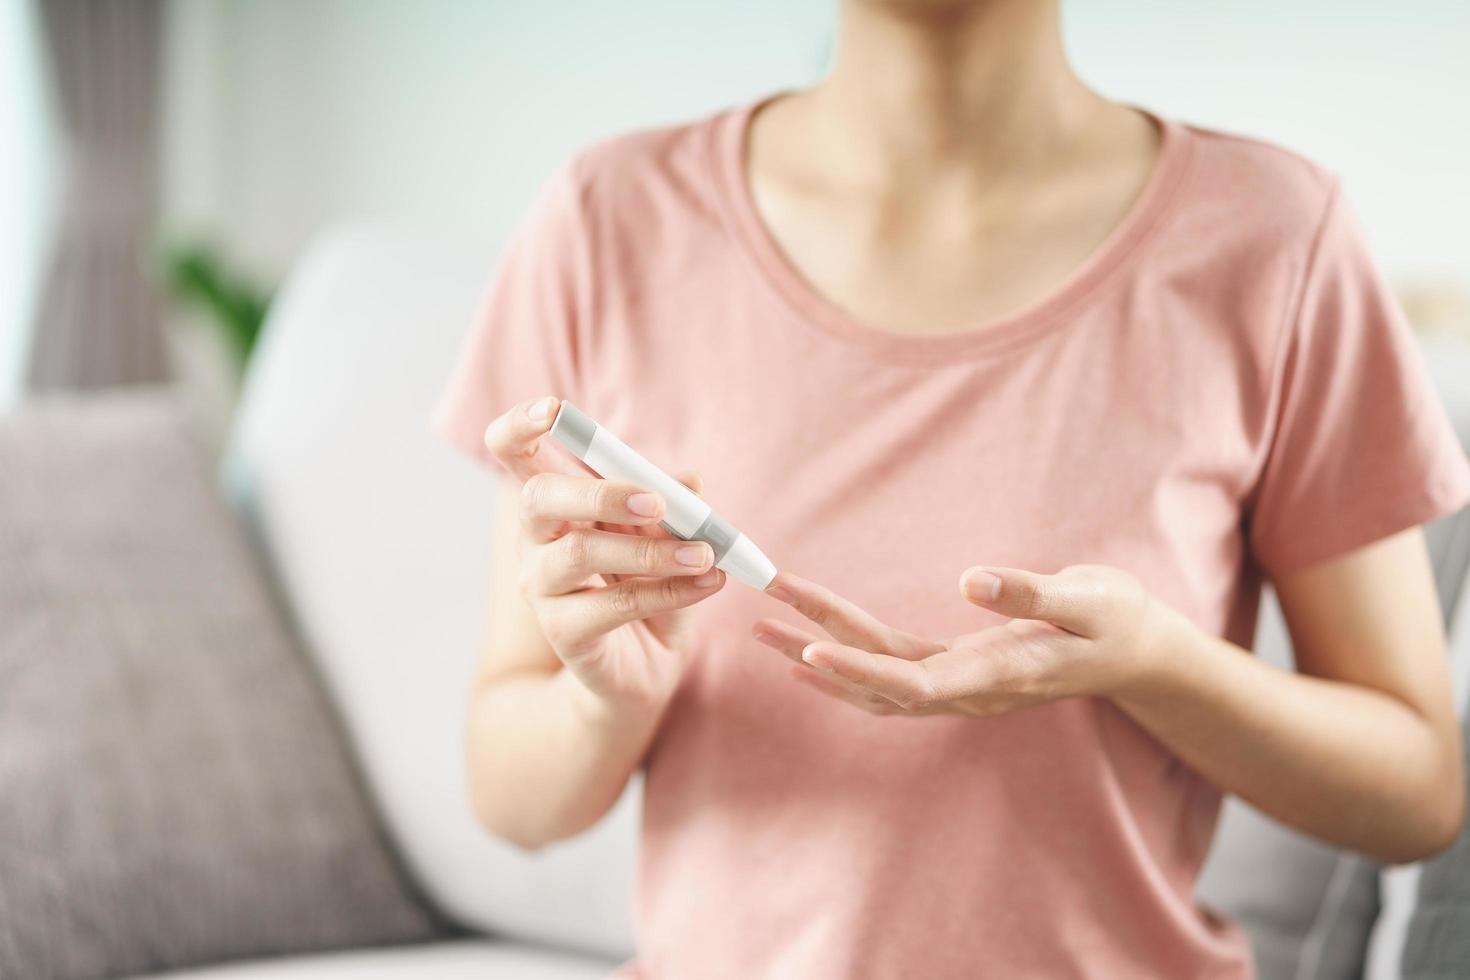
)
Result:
{"points": [[642, 173], [1265, 188]]}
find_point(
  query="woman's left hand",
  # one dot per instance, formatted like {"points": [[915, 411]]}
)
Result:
{"points": [[1087, 630]]}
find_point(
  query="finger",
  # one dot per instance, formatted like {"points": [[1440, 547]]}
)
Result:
{"points": [[907, 683], [783, 638], [515, 439], [842, 691], [1071, 603], [569, 561], [693, 480], [658, 530], [654, 530], [550, 500], [790, 642], [845, 621], [577, 620]]}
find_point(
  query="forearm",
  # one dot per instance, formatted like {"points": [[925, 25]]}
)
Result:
{"points": [[1342, 762], [547, 758]]}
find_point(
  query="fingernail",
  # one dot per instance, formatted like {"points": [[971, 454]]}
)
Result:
{"points": [[780, 593], [816, 658], [983, 585], [643, 504], [691, 555], [708, 579], [538, 411]]}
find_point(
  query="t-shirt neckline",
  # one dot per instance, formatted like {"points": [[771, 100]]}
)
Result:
{"points": [[728, 145]]}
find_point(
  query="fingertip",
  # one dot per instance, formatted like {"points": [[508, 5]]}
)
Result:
{"points": [[543, 410], [817, 655], [981, 585], [645, 504], [779, 588]]}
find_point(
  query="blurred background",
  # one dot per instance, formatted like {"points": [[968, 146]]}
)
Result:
{"points": [[239, 130]]}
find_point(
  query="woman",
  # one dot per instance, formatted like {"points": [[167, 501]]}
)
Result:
{"points": [[950, 316]]}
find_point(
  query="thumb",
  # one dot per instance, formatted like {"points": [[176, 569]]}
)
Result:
{"points": [[1062, 600]]}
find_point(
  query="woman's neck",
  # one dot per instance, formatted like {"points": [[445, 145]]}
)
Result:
{"points": [[922, 87]]}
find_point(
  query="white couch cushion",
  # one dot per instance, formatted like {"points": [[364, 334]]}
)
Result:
{"points": [[380, 539], [439, 961]]}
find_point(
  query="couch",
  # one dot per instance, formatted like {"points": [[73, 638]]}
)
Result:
{"points": [[375, 541]]}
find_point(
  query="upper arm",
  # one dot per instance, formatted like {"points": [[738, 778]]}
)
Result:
{"points": [[513, 642], [1372, 618]]}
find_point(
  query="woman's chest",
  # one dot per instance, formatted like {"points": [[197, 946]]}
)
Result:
{"points": [[1130, 435]]}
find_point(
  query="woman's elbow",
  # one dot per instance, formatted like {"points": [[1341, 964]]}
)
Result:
{"points": [[1446, 816], [1436, 825], [1448, 820], [515, 828]]}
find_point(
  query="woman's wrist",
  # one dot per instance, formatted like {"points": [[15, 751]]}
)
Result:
{"points": [[1163, 644], [622, 715]]}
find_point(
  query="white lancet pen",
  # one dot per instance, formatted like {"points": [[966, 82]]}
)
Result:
{"points": [[687, 517]]}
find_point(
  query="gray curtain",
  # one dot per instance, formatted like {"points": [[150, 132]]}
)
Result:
{"points": [[98, 316]]}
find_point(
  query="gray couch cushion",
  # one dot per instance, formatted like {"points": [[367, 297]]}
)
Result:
{"points": [[173, 789], [1422, 932], [1437, 946]]}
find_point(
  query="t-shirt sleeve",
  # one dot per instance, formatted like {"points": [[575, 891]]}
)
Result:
{"points": [[522, 343], [1362, 446]]}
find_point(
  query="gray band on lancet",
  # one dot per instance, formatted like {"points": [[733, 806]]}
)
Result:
{"points": [[718, 533], [573, 429], [735, 554]]}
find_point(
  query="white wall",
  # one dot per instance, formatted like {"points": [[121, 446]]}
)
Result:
{"points": [[288, 114], [1378, 91], [24, 185]]}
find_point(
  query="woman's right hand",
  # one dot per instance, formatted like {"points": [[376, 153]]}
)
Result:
{"points": [[606, 583]]}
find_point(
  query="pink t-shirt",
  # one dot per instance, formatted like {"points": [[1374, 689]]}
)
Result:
{"points": [[1224, 391]]}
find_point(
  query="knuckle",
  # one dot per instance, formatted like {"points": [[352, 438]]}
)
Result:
{"points": [[1036, 596], [818, 612], [603, 497], [918, 694], [626, 600], [576, 549], [650, 553], [908, 701], [893, 642], [534, 492]]}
